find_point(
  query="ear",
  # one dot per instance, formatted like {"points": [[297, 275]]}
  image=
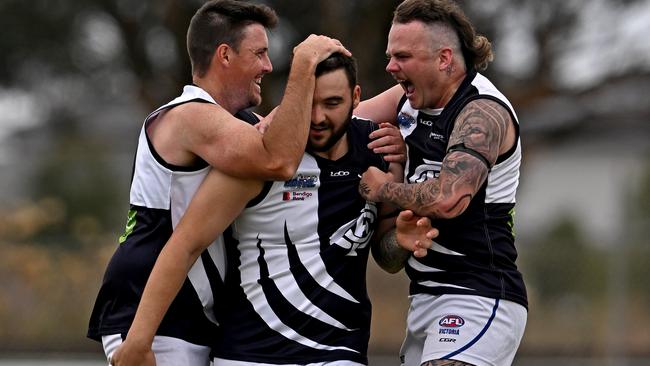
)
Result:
{"points": [[356, 96], [445, 59], [222, 54]]}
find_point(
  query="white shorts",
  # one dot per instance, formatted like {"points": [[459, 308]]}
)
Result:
{"points": [[168, 351], [224, 362], [473, 329]]}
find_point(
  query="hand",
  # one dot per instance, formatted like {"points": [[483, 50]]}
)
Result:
{"points": [[415, 233], [129, 354], [388, 140], [320, 47], [371, 182]]}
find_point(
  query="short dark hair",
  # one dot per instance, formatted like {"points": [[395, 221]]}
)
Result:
{"points": [[476, 49], [222, 21], [339, 61]]}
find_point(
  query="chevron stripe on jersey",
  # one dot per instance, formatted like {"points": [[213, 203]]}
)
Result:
{"points": [[296, 283], [475, 252], [160, 193]]}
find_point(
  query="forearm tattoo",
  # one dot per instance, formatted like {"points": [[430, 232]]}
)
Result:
{"points": [[388, 254], [481, 126]]}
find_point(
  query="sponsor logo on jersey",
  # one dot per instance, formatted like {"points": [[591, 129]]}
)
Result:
{"points": [[426, 122], [436, 136], [452, 340], [302, 181], [451, 321], [296, 196], [340, 173], [405, 120], [451, 331]]}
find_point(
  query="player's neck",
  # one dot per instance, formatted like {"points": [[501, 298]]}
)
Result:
{"points": [[217, 92]]}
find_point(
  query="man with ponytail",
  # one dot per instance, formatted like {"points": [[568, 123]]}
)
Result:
{"points": [[468, 299]]}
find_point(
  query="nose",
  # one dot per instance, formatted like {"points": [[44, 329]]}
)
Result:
{"points": [[317, 115], [267, 66], [392, 67]]}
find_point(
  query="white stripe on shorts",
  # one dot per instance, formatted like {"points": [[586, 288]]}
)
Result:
{"points": [[168, 351]]}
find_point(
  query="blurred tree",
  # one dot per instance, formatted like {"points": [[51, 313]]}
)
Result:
{"points": [[562, 263]]}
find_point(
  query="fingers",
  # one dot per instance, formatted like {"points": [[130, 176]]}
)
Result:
{"points": [[385, 129], [395, 158], [419, 251], [389, 142], [320, 47], [340, 48], [405, 215], [432, 234]]}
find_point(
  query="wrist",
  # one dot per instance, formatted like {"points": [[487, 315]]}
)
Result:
{"points": [[381, 192]]}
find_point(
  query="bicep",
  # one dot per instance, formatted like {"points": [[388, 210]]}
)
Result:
{"points": [[228, 144], [382, 107], [481, 128], [474, 145]]}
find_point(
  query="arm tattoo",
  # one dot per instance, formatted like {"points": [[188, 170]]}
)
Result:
{"points": [[481, 126], [388, 254]]}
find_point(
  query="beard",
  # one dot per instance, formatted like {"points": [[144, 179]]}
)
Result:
{"points": [[337, 134]]}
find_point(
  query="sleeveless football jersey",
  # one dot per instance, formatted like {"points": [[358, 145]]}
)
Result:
{"points": [[159, 195], [296, 279], [475, 252]]}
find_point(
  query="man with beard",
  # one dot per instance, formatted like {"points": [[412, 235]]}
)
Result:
{"points": [[295, 290]]}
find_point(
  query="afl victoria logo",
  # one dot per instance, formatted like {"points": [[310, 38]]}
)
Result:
{"points": [[452, 321]]}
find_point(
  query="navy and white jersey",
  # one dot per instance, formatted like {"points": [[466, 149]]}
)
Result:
{"points": [[475, 252], [296, 280], [160, 193]]}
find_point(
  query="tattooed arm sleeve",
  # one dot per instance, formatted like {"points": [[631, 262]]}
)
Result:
{"points": [[481, 127], [388, 254]]}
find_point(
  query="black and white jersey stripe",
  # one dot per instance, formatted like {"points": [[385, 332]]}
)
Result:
{"points": [[296, 279]]}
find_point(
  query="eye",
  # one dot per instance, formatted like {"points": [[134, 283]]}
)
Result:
{"points": [[332, 103]]}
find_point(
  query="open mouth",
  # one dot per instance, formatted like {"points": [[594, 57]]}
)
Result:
{"points": [[408, 87]]}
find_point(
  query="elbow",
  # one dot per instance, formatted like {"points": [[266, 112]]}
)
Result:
{"points": [[392, 269], [447, 208], [281, 170]]}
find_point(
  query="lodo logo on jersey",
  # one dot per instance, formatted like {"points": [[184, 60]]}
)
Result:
{"points": [[302, 181], [340, 173]]}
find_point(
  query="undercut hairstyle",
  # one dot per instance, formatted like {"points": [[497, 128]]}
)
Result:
{"points": [[476, 49], [222, 21], [339, 61]]}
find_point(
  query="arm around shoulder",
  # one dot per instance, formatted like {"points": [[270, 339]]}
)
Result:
{"points": [[382, 107]]}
